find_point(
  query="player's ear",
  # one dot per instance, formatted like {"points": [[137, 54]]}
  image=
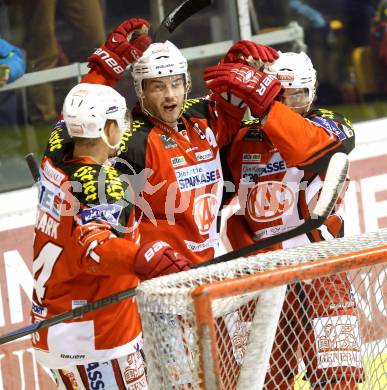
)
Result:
{"points": [[110, 130]]}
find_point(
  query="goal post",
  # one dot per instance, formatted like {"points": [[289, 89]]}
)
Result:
{"points": [[248, 323]]}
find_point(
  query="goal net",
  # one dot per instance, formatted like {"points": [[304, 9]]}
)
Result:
{"points": [[310, 315]]}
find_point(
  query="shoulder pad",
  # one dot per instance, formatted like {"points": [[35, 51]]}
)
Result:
{"points": [[198, 108], [333, 122], [139, 125], [92, 177], [59, 142]]}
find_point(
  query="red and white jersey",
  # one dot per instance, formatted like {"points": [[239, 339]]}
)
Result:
{"points": [[278, 169], [64, 279], [179, 176]]}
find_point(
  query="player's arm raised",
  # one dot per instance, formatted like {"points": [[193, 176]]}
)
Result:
{"points": [[123, 46]]}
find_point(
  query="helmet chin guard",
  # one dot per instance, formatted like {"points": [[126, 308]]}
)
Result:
{"points": [[87, 107], [295, 70]]}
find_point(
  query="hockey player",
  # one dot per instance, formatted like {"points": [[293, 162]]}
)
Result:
{"points": [[79, 255], [278, 163], [176, 141]]}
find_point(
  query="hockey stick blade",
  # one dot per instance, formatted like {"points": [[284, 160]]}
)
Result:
{"points": [[33, 166], [177, 16], [333, 183]]}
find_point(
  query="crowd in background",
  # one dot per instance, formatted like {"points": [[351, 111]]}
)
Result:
{"points": [[54, 33]]}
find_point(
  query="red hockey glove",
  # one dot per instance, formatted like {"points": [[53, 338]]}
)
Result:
{"points": [[92, 234], [125, 45], [157, 258], [255, 88], [245, 51]]}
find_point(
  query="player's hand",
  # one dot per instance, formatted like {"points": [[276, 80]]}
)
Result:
{"points": [[250, 53], [129, 40], [90, 236], [253, 87], [157, 258], [124, 45]]}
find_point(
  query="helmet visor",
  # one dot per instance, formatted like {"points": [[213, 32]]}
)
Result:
{"points": [[295, 97]]}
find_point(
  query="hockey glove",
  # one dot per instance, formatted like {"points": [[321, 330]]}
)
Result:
{"points": [[157, 258], [254, 88], [124, 45], [250, 53], [90, 236]]}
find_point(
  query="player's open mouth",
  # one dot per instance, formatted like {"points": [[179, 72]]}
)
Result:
{"points": [[170, 107]]}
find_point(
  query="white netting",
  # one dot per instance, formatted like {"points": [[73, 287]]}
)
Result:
{"points": [[329, 329]]}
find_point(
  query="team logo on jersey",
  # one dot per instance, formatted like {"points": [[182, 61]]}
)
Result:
{"points": [[87, 175], [210, 137], [252, 172], [269, 200], [168, 142], [198, 175], [178, 161], [199, 131], [55, 142], [205, 155], [205, 211], [331, 126], [251, 157], [107, 212], [50, 199], [51, 173], [39, 310], [348, 131]]}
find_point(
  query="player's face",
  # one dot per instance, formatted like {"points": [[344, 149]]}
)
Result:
{"points": [[296, 99], [164, 97]]}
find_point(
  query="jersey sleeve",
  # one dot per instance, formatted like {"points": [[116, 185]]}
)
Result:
{"points": [[94, 77], [102, 197], [308, 142], [224, 118]]}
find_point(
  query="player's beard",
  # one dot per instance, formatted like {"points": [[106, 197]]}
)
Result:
{"points": [[168, 111]]}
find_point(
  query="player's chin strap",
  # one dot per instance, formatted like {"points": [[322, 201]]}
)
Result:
{"points": [[333, 184]]}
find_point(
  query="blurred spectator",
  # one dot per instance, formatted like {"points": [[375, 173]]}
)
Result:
{"points": [[312, 15], [43, 51], [12, 63], [12, 66], [379, 33]]}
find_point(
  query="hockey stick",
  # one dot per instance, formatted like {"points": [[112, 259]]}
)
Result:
{"points": [[33, 166], [334, 180], [177, 16]]}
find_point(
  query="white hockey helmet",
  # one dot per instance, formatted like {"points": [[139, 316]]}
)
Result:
{"points": [[295, 70], [87, 107], [159, 60]]}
